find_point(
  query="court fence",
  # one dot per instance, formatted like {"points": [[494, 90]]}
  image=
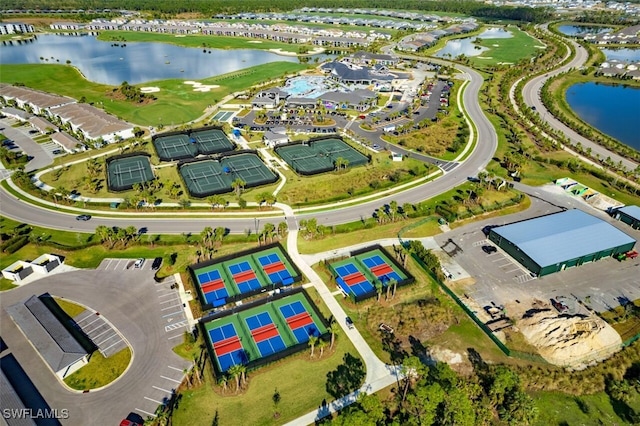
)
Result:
{"points": [[234, 298], [189, 134], [260, 362], [110, 182], [359, 298]]}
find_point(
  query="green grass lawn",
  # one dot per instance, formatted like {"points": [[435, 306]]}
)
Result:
{"points": [[100, 371], [69, 308], [557, 408], [176, 103], [507, 50], [6, 284], [299, 379]]}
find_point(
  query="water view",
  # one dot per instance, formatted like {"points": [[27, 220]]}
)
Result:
{"points": [[612, 109], [465, 46], [107, 63], [624, 55], [579, 30]]}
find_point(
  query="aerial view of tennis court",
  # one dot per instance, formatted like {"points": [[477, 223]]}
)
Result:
{"points": [[244, 274], [319, 156], [181, 145], [222, 116], [249, 335], [357, 275], [127, 170], [209, 177]]}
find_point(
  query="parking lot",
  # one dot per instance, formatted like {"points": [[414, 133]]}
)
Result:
{"points": [[500, 280], [108, 339]]}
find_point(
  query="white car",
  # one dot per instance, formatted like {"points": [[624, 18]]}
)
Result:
{"points": [[138, 263]]}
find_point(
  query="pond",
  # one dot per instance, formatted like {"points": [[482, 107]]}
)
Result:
{"points": [[623, 55], [580, 30], [465, 46], [612, 109], [139, 62]]}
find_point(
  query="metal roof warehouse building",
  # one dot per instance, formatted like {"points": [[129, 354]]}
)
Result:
{"points": [[554, 242]]}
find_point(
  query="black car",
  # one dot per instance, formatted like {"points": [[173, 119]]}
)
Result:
{"points": [[349, 322], [156, 263], [83, 217], [489, 249]]}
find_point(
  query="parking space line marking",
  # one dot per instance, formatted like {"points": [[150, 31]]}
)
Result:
{"points": [[175, 337], [93, 329], [173, 380], [80, 320], [98, 335], [167, 301], [97, 319], [153, 400], [174, 368], [163, 390], [173, 313], [172, 306], [167, 294], [109, 347], [146, 412], [108, 338]]}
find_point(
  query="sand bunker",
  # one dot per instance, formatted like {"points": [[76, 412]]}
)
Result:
{"points": [[571, 341], [199, 87], [254, 41], [149, 89]]}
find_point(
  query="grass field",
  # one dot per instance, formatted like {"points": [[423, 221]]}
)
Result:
{"points": [[177, 103], [100, 371], [507, 50], [69, 308]]}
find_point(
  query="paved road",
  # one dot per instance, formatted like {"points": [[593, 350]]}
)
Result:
{"points": [[531, 95], [487, 144], [132, 304]]}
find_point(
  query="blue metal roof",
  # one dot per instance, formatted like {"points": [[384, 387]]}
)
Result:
{"points": [[632, 211], [556, 238]]}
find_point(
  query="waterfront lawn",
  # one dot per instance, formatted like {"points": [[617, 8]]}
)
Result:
{"points": [[176, 102], [507, 50], [197, 41]]}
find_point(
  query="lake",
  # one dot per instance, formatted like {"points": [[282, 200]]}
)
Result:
{"points": [[612, 109], [579, 30], [623, 55], [465, 46], [141, 62]]}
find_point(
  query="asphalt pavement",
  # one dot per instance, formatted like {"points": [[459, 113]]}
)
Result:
{"points": [[20, 135]]}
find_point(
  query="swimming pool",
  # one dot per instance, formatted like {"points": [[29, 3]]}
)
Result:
{"points": [[306, 86]]}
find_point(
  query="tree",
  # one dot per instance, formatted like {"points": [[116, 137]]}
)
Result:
{"points": [[238, 186], [334, 328], [282, 228], [234, 372], [378, 285], [393, 283], [312, 343], [276, 398], [322, 344], [346, 378], [269, 231]]}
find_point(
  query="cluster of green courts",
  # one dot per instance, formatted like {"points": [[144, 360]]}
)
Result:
{"points": [[244, 275], [183, 145], [319, 156], [209, 177], [357, 275], [261, 331], [123, 172]]}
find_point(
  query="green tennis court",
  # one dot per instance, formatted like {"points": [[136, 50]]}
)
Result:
{"points": [[124, 172], [175, 147], [319, 156], [209, 177], [222, 116], [212, 141]]}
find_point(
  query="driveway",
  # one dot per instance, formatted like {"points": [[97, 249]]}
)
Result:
{"points": [[131, 301], [21, 137]]}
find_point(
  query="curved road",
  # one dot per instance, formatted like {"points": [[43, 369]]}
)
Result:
{"points": [[531, 95], [482, 154]]}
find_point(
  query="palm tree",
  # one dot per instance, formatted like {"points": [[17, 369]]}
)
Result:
{"points": [[103, 233], [234, 372], [223, 381], [269, 230], [312, 342], [378, 285], [243, 374], [334, 328], [282, 228], [393, 282], [321, 345], [238, 186], [270, 199]]}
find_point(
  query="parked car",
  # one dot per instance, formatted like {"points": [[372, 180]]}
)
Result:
{"points": [[83, 217], [133, 419], [138, 263], [489, 249], [349, 322], [156, 263]]}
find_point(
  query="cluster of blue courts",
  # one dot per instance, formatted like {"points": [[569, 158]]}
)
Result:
{"points": [[213, 287], [381, 269], [227, 346], [275, 269], [265, 334], [244, 276], [352, 280], [299, 321]]}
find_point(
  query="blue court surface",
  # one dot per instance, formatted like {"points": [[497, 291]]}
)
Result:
{"points": [[208, 276], [257, 321], [249, 285], [372, 261], [347, 269], [269, 259], [239, 267], [220, 333], [303, 332], [271, 346], [292, 309], [235, 356], [213, 297]]}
